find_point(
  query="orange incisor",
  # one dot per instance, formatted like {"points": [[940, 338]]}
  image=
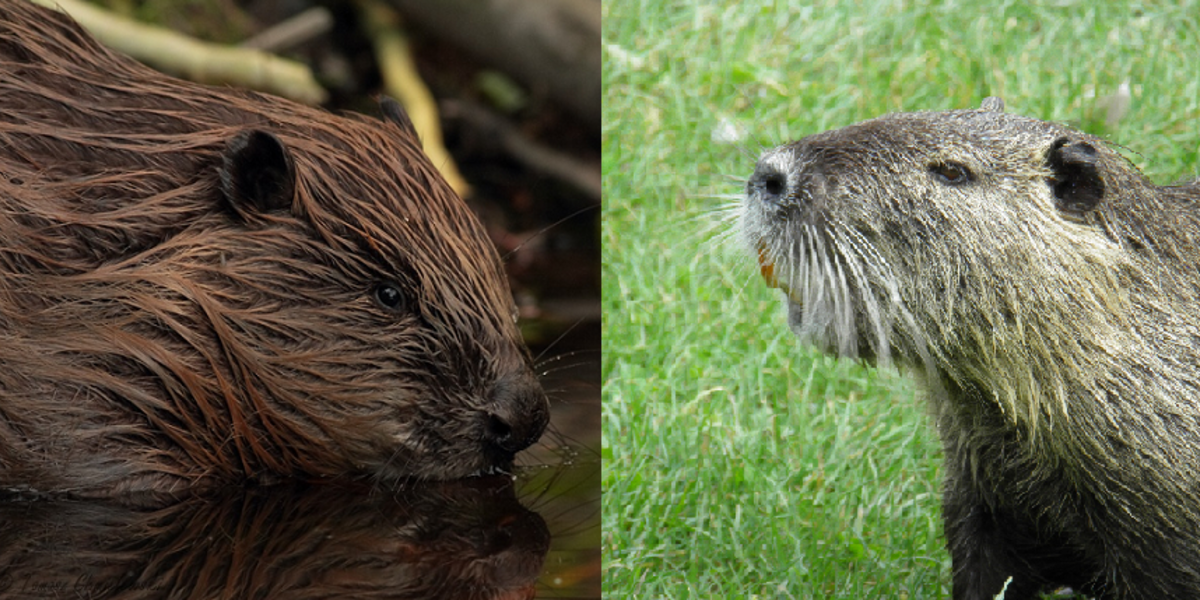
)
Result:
{"points": [[767, 266]]}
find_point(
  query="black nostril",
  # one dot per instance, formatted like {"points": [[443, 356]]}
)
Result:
{"points": [[498, 429], [775, 184], [517, 416], [517, 432], [768, 184]]}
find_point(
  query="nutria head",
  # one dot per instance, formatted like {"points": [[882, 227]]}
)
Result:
{"points": [[988, 248], [200, 285]]}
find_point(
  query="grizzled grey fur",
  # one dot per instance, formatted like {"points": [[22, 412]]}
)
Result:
{"points": [[1048, 297]]}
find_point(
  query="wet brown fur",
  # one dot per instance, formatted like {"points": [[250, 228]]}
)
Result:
{"points": [[1048, 296], [157, 336]]}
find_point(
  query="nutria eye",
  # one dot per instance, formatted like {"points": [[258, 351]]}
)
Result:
{"points": [[951, 173], [389, 296]]}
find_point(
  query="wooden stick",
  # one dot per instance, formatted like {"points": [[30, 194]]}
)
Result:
{"points": [[292, 32], [183, 56], [400, 79]]}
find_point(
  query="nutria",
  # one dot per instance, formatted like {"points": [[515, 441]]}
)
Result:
{"points": [[1047, 295], [201, 286]]}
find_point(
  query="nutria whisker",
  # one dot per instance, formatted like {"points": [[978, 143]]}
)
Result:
{"points": [[1044, 294]]}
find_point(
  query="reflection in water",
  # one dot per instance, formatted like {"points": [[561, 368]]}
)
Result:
{"points": [[465, 539], [567, 496]]}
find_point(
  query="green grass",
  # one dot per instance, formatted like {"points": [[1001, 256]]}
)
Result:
{"points": [[738, 463]]}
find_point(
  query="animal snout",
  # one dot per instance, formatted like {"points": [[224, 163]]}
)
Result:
{"points": [[788, 189], [768, 184], [517, 416]]}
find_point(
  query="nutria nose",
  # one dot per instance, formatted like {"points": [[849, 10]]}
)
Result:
{"points": [[518, 415], [768, 183]]}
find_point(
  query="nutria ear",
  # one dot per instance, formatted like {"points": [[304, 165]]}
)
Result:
{"points": [[992, 104], [395, 113], [1076, 180], [257, 175]]}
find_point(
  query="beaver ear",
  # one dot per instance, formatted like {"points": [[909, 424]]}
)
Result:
{"points": [[395, 113], [1076, 180], [257, 173]]}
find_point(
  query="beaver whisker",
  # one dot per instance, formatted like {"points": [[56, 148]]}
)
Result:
{"points": [[190, 288]]}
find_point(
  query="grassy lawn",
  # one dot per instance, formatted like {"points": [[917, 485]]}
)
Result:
{"points": [[739, 464]]}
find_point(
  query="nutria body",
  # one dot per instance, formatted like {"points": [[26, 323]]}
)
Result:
{"points": [[201, 286], [1048, 296]]}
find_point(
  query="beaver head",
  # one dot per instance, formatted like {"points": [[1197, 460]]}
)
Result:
{"points": [[201, 285]]}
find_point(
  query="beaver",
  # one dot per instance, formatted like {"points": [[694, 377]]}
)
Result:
{"points": [[201, 286], [1045, 294]]}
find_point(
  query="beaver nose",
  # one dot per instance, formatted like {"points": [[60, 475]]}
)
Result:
{"points": [[518, 415]]}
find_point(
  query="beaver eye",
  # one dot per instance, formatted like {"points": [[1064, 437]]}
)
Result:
{"points": [[389, 296], [951, 173]]}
